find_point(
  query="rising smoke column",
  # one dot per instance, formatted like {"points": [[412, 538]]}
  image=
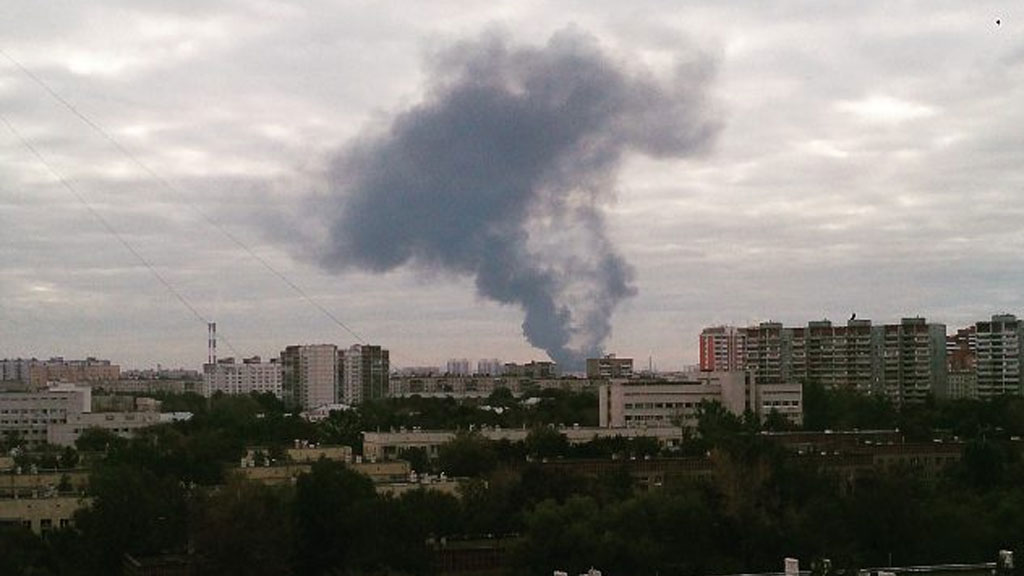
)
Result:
{"points": [[501, 172]]}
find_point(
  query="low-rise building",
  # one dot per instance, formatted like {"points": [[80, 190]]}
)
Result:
{"points": [[30, 414], [123, 424], [302, 452], [660, 404], [41, 514], [378, 446]]}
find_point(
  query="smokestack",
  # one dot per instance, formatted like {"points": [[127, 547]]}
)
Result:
{"points": [[502, 173]]}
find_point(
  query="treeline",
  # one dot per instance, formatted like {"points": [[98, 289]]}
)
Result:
{"points": [[170, 491]]}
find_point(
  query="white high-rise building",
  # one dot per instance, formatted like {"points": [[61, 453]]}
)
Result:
{"points": [[489, 367], [310, 375], [458, 367]]}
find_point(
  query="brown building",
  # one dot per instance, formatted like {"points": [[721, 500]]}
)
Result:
{"points": [[609, 367]]}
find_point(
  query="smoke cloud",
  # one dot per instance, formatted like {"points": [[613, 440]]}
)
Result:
{"points": [[501, 174]]}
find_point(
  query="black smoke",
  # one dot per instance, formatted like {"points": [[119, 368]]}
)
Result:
{"points": [[501, 174]]}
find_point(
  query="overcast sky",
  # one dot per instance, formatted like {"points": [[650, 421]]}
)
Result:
{"points": [[865, 157]]}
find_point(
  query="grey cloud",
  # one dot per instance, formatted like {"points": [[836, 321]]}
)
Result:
{"points": [[500, 174]]}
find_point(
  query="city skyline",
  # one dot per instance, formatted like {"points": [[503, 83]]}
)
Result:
{"points": [[863, 161]]}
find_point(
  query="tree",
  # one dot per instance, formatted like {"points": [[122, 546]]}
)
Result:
{"points": [[546, 442], [245, 528], [468, 454], [334, 513], [133, 510]]}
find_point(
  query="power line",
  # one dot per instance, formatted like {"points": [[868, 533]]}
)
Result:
{"points": [[107, 226], [176, 192]]}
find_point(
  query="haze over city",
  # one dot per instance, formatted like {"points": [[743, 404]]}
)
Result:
{"points": [[417, 172]]}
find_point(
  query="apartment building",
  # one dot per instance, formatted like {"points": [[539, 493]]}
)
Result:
{"points": [[37, 373], [722, 348], [906, 361], [309, 375], [998, 351], [366, 373], [251, 375], [914, 361], [608, 367]]}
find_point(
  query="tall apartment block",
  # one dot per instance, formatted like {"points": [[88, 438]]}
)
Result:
{"points": [[905, 361], [365, 373], [914, 360], [768, 352], [309, 375], [999, 348], [489, 367], [458, 367], [722, 349], [837, 356]]}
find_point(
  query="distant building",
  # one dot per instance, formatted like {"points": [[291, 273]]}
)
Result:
{"points": [[999, 349], [914, 361], [37, 373], [309, 374], [458, 367], [837, 356], [534, 369], [41, 515], [30, 414], [489, 367], [123, 424], [365, 374], [722, 348], [383, 446], [768, 352], [906, 361], [251, 375], [479, 386], [609, 367], [961, 350], [675, 403]]}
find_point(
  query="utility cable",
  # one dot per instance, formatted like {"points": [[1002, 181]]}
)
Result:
{"points": [[176, 192], [108, 227]]}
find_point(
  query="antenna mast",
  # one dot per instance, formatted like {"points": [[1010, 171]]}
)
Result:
{"points": [[211, 342]]}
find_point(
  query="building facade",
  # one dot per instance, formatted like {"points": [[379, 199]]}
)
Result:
{"points": [[676, 404], [905, 361], [608, 367], [365, 373], [123, 424], [998, 352], [37, 373], [30, 414], [722, 348], [309, 375], [251, 375], [914, 361]]}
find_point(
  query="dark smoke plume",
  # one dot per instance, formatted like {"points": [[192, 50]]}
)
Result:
{"points": [[501, 172]]}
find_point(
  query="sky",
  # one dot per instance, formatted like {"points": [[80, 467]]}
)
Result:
{"points": [[165, 164]]}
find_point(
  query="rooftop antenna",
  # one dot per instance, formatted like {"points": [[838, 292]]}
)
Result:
{"points": [[211, 342]]}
